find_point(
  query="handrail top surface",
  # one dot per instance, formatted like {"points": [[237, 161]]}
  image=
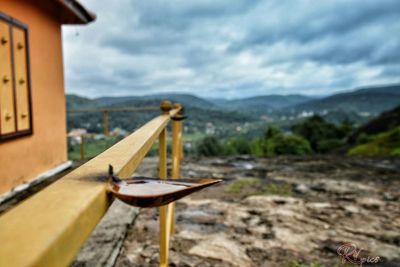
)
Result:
{"points": [[114, 109]]}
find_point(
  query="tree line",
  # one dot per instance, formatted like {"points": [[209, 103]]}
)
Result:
{"points": [[314, 135]]}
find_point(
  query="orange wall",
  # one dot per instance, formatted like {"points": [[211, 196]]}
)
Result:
{"points": [[23, 158]]}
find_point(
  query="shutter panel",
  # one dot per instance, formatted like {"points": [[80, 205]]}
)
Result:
{"points": [[21, 79], [7, 109]]}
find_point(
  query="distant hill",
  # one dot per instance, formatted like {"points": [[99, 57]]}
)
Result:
{"points": [[79, 102], [184, 99], [262, 104], [391, 89], [368, 101], [371, 100]]}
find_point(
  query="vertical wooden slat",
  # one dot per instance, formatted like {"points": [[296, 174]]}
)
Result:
{"points": [[7, 112], [176, 135], [21, 79], [82, 147], [165, 223], [176, 158], [164, 227], [106, 131], [181, 153]]}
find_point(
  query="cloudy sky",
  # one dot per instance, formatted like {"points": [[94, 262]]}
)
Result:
{"points": [[233, 48]]}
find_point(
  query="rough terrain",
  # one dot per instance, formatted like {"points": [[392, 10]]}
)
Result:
{"points": [[283, 211]]}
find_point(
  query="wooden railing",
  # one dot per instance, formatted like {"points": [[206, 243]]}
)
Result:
{"points": [[49, 228], [105, 112]]}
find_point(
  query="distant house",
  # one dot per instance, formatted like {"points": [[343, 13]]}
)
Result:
{"points": [[119, 132], [32, 101], [77, 132], [75, 135]]}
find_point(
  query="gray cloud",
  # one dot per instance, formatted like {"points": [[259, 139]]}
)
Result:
{"points": [[181, 14], [305, 21], [223, 48]]}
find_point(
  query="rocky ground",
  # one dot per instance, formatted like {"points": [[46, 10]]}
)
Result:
{"points": [[282, 211]]}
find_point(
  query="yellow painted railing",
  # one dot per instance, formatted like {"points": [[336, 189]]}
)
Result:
{"points": [[105, 112], [49, 228]]}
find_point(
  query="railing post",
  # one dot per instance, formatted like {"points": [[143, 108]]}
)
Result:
{"points": [[176, 155], [82, 146], [165, 226], [182, 117], [106, 131]]}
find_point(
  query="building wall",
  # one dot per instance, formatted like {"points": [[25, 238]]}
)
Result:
{"points": [[23, 158]]}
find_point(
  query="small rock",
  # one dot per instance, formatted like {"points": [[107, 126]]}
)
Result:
{"points": [[218, 175], [370, 203], [254, 221], [221, 248], [319, 205], [192, 174], [198, 216], [301, 189], [352, 209], [261, 201], [260, 230], [244, 165], [389, 197]]}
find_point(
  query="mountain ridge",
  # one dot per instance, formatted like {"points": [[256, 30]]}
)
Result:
{"points": [[372, 99], [367, 99]]}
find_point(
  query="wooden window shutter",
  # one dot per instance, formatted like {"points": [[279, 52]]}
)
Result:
{"points": [[15, 85]]}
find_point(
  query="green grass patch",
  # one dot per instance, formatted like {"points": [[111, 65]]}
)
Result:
{"points": [[295, 263], [243, 183], [278, 189], [254, 186], [384, 144], [300, 264], [92, 148], [193, 137]]}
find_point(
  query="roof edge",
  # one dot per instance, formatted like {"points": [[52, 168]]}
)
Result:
{"points": [[76, 13]]}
